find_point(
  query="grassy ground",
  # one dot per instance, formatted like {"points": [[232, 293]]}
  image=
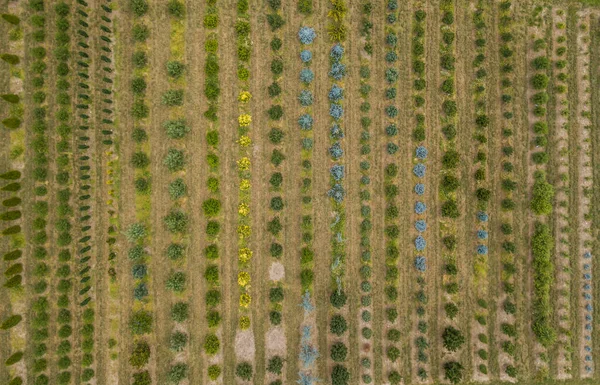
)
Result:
{"points": [[119, 371]]}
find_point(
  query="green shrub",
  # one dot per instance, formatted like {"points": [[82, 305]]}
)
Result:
{"points": [[177, 341], [244, 371], [176, 282], [10, 59], [140, 110], [138, 85], [172, 98], [174, 160], [542, 197], [211, 20], [140, 59], [175, 69], [177, 373], [543, 278], [340, 375], [539, 81], [11, 19], [176, 221], [453, 338], [140, 322], [453, 372], [214, 371], [139, 7], [176, 9], [305, 7], [179, 312], [140, 32], [450, 209], [275, 365], [177, 189], [338, 325], [14, 358], [140, 355], [339, 352]]}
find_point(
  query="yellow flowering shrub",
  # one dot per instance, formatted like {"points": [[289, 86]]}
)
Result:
{"points": [[243, 164], [243, 231], [244, 141], [244, 96], [243, 209], [244, 322], [245, 184], [243, 278], [245, 300], [244, 120], [244, 255]]}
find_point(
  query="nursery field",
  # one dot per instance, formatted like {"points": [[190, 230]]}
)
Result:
{"points": [[276, 192]]}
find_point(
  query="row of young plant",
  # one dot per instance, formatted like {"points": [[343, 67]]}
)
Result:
{"points": [[12, 207], [419, 89], [64, 180], [337, 31], [212, 343], [561, 217], [277, 204], [584, 193], [308, 351], [507, 205], [84, 184], [366, 225], [138, 234], [176, 221], [244, 365], [13, 234], [482, 122], [112, 165], [38, 145], [392, 230], [452, 336], [542, 242]]}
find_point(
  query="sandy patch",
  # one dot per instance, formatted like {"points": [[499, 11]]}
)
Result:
{"points": [[276, 272], [244, 345], [275, 341]]}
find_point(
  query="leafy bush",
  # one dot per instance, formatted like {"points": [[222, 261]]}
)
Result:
{"points": [[211, 344], [275, 112], [275, 365], [305, 7], [453, 371], [340, 375], [177, 189], [179, 312], [172, 98], [174, 160], [542, 198], [543, 277], [211, 207], [176, 282], [450, 209], [176, 129], [176, 221], [175, 69], [140, 322], [139, 7], [338, 325], [176, 9], [177, 341], [244, 371], [539, 81], [453, 338]]}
